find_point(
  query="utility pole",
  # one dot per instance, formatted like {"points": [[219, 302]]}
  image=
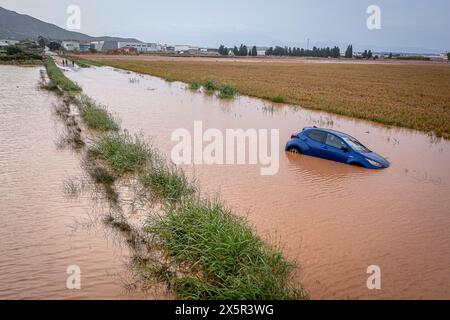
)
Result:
{"points": [[307, 45]]}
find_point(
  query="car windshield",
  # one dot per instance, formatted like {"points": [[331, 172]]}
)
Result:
{"points": [[355, 144]]}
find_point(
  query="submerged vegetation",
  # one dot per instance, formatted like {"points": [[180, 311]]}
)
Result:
{"points": [[227, 261], [96, 116], [205, 251], [194, 85], [209, 85], [278, 99], [227, 91], [122, 152], [167, 182], [59, 79], [411, 95]]}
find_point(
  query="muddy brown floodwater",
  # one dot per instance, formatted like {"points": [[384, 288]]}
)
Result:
{"points": [[42, 229], [334, 220]]}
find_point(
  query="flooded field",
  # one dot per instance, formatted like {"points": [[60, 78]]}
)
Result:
{"points": [[43, 229], [334, 220]]}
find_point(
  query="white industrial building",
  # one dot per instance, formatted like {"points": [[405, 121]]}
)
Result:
{"points": [[140, 47], [71, 45], [182, 48]]}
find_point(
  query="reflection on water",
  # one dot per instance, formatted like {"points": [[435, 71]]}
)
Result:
{"points": [[43, 230], [334, 220]]}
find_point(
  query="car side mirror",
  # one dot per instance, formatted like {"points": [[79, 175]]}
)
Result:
{"points": [[345, 149]]}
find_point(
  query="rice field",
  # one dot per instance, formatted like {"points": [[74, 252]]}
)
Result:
{"points": [[415, 96]]}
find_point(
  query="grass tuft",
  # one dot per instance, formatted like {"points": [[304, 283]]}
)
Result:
{"points": [[168, 183], [96, 116], [209, 85], [227, 260], [227, 91], [278, 99], [194, 85], [122, 152], [102, 176]]}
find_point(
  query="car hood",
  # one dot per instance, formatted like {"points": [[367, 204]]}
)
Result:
{"points": [[376, 157]]}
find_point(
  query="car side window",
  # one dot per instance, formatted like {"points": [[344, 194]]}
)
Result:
{"points": [[334, 141], [318, 136]]}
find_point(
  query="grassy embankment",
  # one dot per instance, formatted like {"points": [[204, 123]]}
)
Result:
{"points": [[410, 95], [84, 63], [58, 80], [212, 253]]}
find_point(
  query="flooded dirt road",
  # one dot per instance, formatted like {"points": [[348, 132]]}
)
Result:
{"points": [[334, 220], [43, 230]]}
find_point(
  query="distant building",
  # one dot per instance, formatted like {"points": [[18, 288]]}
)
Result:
{"points": [[183, 48], [7, 42], [97, 45], [71, 45], [261, 51], [140, 46]]}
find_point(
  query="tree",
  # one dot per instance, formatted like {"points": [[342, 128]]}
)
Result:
{"points": [[390, 55], [243, 51], [254, 51], [448, 56], [349, 52], [42, 42], [365, 54], [235, 51], [54, 46], [369, 54], [223, 50]]}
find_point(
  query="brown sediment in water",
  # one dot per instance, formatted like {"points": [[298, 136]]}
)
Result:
{"points": [[49, 221], [334, 220]]}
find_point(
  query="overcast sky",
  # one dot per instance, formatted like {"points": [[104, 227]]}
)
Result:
{"points": [[412, 24]]}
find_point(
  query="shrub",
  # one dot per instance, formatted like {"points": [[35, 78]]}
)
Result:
{"points": [[227, 91]]}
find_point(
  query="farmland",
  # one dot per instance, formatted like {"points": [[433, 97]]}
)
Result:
{"points": [[410, 95]]}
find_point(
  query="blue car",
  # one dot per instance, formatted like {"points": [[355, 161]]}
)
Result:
{"points": [[336, 146]]}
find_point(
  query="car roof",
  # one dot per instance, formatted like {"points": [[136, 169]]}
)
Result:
{"points": [[338, 133]]}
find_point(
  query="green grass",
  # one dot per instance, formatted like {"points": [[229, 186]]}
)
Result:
{"points": [[84, 63], [278, 99], [102, 176], [96, 116], [227, 91], [209, 85], [59, 79], [169, 79], [194, 85], [168, 183], [227, 260], [122, 152]]}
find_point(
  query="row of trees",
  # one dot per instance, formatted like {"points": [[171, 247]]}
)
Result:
{"points": [[297, 52], [52, 45], [242, 51]]}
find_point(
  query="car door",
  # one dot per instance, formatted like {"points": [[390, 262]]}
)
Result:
{"points": [[316, 142], [335, 148]]}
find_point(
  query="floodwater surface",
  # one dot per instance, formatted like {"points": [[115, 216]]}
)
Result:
{"points": [[334, 220], [43, 229]]}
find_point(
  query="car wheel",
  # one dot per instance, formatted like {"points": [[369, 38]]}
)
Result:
{"points": [[294, 150]]}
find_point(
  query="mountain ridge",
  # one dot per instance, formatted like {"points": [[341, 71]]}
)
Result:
{"points": [[16, 26]]}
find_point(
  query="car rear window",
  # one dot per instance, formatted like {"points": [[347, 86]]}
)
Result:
{"points": [[318, 136]]}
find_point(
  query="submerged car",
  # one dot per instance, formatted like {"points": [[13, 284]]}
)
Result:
{"points": [[336, 146]]}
